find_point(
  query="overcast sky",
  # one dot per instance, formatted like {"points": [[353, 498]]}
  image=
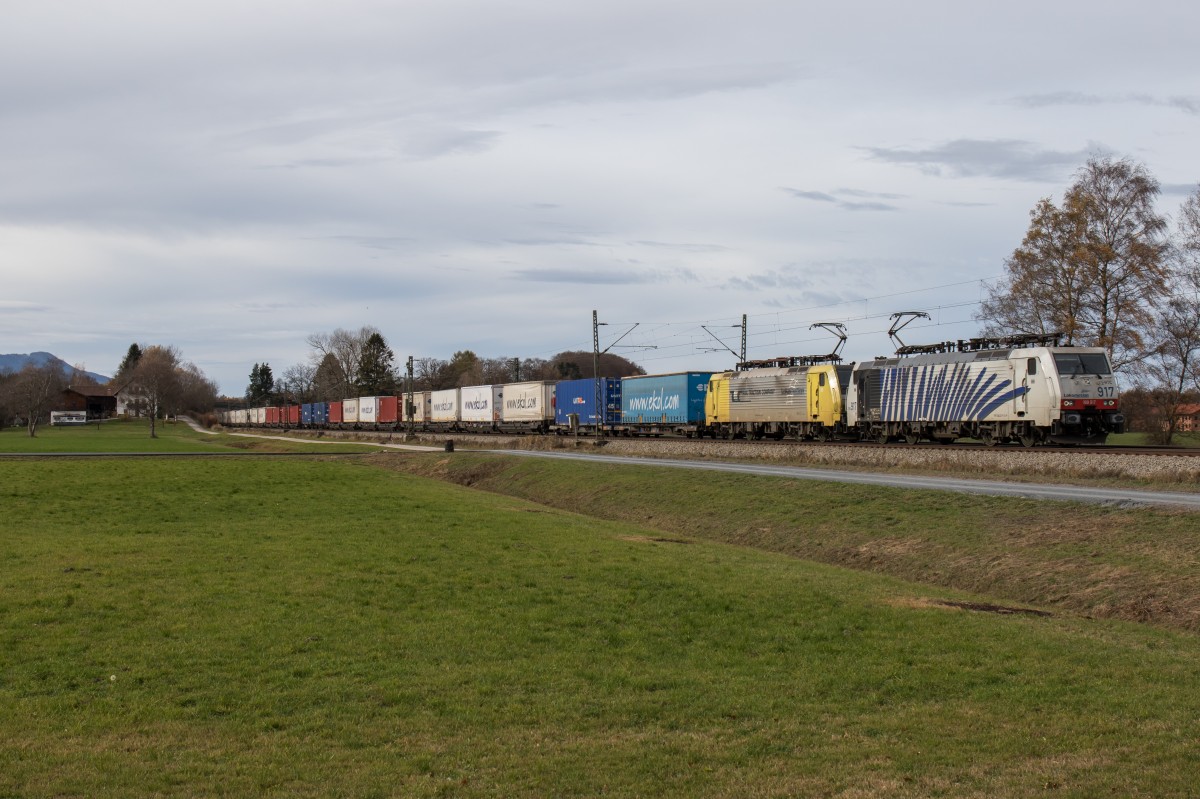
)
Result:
{"points": [[228, 177]]}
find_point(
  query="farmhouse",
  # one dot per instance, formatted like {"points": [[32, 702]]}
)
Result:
{"points": [[98, 402], [1188, 417]]}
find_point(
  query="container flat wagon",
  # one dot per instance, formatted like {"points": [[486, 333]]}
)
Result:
{"points": [[350, 412], [387, 411], [527, 407], [368, 408], [575, 404], [659, 404], [417, 408], [445, 409], [481, 407]]}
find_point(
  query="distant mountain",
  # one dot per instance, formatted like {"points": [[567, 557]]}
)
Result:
{"points": [[16, 362]]}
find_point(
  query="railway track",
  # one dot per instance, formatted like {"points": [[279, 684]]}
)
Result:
{"points": [[924, 446]]}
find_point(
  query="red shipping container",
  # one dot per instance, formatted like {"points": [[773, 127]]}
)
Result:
{"points": [[335, 412], [272, 414], [387, 410], [293, 415]]}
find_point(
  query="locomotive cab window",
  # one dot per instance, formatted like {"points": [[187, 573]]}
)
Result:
{"points": [[1076, 364], [1032, 366], [821, 379]]}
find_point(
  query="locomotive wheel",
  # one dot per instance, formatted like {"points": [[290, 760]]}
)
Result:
{"points": [[989, 440], [1028, 439], [912, 437], [881, 436]]}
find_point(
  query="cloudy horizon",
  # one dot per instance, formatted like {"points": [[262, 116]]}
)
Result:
{"points": [[230, 178]]}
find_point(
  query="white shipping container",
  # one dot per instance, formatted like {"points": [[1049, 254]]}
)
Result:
{"points": [[349, 411], [368, 408], [528, 402], [420, 407], [482, 404], [444, 406], [258, 415]]}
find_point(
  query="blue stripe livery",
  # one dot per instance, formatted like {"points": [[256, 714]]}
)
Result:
{"points": [[939, 392]]}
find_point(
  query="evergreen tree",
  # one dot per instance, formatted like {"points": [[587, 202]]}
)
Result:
{"points": [[376, 370], [262, 383], [130, 361]]}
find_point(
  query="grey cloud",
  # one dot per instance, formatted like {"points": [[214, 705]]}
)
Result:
{"points": [[869, 207], [774, 279], [375, 242], [21, 306], [819, 196], [1190, 105], [1013, 159], [1051, 99], [595, 277], [1179, 189], [433, 143], [877, 195], [684, 247], [846, 205]]}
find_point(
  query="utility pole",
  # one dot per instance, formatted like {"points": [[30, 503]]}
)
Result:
{"points": [[410, 400], [596, 353], [600, 415], [741, 355], [743, 360]]}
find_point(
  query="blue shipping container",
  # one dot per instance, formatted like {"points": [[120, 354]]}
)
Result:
{"points": [[664, 399], [579, 396], [315, 414]]}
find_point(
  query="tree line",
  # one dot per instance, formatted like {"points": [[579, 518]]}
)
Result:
{"points": [[348, 363], [154, 380], [1104, 268]]}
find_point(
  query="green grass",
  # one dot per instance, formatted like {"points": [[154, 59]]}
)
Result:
{"points": [[183, 628], [1182, 440], [1137, 564], [133, 435]]}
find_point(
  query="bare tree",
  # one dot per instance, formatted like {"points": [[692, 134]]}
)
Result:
{"points": [[32, 390], [1172, 368], [339, 355], [299, 378], [196, 391], [1094, 269], [156, 379], [428, 373]]}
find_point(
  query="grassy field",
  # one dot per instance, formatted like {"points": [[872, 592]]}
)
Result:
{"points": [[133, 436], [234, 627], [1136, 564]]}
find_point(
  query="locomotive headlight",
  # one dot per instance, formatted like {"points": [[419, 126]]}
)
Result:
{"points": [[1068, 403], [1072, 418]]}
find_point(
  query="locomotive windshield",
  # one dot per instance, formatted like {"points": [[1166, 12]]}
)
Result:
{"points": [[1076, 364]]}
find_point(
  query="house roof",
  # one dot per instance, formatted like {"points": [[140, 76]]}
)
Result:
{"points": [[91, 391], [1190, 409]]}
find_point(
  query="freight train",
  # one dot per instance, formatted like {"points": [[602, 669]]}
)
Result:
{"points": [[1022, 389]]}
